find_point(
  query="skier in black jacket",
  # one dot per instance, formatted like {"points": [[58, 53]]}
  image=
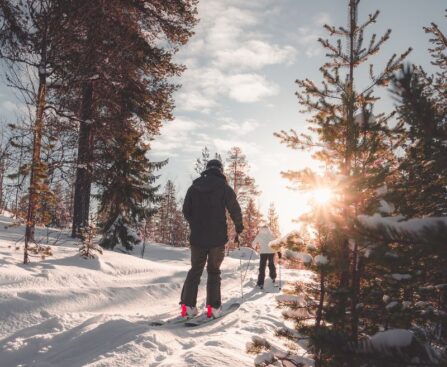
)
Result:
{"points": [[205, 208]]}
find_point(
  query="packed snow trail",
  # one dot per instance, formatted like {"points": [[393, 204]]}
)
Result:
{"points": [[67, 311]]}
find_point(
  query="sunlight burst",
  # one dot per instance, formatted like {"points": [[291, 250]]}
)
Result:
{"points": [[322, 195]]}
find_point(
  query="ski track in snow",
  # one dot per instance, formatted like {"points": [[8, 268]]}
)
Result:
{"points": [[67, 311]]}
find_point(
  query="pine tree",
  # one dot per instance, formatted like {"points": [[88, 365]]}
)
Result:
{"points": [[166, 215], [237, 173], [420, 185], [180, 228], [89, 249], [273, 220], [60, 214], [5, 164], [136, 63], [31, 36], [407, 264], [353, 142], [127, 190], [252, 222], [201, 162], [406, 288], [439, 59]]}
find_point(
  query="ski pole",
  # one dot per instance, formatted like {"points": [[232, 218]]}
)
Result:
{"points": [[240, 265], [279, 265]]}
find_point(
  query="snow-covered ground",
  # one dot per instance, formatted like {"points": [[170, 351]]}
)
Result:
{"points": [[67, 311]]}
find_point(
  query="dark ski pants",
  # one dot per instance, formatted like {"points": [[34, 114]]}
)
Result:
{"points": [[199, 257], [262, 265]]}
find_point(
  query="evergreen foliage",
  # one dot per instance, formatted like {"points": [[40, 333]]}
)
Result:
{"points": [[128, 190], [252, 222], [273, 221], [88, 248], [119, 83], [237, 173], [169, 225], [356, 144], [419, 187], [201, 162], [30, 38]]}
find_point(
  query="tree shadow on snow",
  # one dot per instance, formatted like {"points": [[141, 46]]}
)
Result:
{"points": [[83, 344]]}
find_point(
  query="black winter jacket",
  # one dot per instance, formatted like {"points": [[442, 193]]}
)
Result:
{"points": [[204, 209]]}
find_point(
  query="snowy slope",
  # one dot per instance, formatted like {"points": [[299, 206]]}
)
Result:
{"points": [[67, 311]]}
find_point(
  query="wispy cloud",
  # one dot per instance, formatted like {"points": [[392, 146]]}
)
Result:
{"points": [[184, 135], [225, 56], [250, 87], [224, 145], [240, 128], [309, 34], [254, 55], [174, 136], [195, 100], [204, 87]]}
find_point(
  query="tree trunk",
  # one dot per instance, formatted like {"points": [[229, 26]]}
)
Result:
{"points": [[2, 175], [36, 165], [350, 139], [319, 316], [355, 292], [16, 213], [83, 183]]}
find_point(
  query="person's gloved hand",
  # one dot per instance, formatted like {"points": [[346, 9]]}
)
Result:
{"points": [[279, 255]]}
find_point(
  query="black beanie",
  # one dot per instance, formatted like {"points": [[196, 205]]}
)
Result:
{"points": [[214, 163]]}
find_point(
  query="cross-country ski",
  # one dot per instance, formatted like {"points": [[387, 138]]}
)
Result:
{"points": [[206, 319]]}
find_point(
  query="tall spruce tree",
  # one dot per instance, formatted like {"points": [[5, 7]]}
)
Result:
{"points": [[30, 38], [237, 173], [136, 62], [406, 285], [273, 220], [181, 228], [201, 162], [128, 190], [252, 222], [355, 144], [419, 187], [407, 265], [167, 215]]}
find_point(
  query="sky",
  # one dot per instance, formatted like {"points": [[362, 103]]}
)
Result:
{"points": [[239, 85]]}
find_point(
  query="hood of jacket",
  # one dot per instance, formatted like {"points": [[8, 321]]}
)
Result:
{"points": [[209, 180]]}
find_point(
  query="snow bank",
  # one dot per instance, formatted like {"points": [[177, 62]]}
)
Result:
{"points": [[244, 253], [385, 207], [395, 338], [68, 311], [293, 236], [401, 276], [415, 225], [290, 298], [264, 359], [321, 260], [304, 257]]}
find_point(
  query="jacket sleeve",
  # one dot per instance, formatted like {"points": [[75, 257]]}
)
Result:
{"points": [[187, 206], [234, 209]]}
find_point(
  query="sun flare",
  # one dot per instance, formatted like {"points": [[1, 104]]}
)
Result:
{"points": [[322, 195]]}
